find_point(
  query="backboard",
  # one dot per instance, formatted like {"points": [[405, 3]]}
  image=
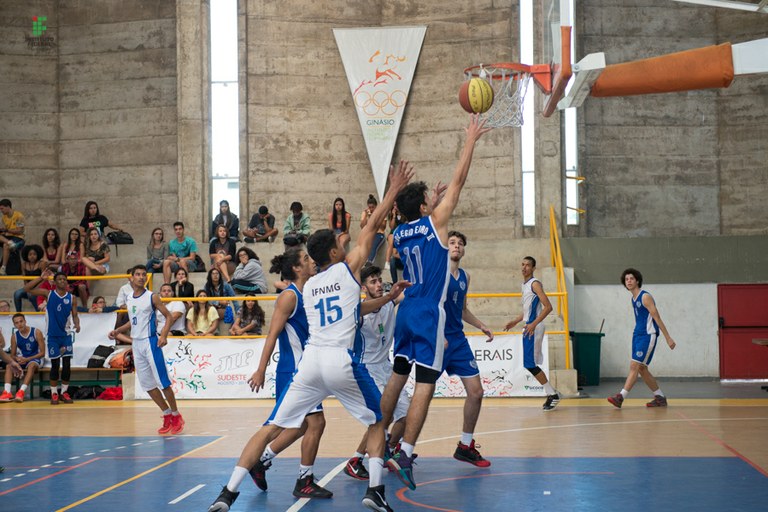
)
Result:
{"points": [[556, 22]]}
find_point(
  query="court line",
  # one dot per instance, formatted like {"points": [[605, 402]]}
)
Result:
{"points": [[322, 483], [136, 477], [186, 494], [48, 476], [27, 440]]}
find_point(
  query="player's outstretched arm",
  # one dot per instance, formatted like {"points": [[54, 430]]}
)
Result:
{"points": [[650, 305], [513, 322]]}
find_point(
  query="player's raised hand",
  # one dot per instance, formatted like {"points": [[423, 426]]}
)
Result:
{"points": [[476, 128], [398, 288], [438, 193], [399, 177]]}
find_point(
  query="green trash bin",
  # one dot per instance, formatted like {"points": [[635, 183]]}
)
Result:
{"points": [[586, 357]]}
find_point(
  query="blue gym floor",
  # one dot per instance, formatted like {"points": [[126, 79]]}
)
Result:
{"points": [[157, 473]]}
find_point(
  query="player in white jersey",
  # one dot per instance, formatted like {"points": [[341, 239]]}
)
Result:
{"points": [[647, 325], [329, 365], [377, 333], [148, 358], [536, 307]]}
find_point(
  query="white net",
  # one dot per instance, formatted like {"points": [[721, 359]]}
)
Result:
{"points": [[507, 108]]}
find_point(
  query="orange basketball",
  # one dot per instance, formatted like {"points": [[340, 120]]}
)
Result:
{"points": [[476, 96]]}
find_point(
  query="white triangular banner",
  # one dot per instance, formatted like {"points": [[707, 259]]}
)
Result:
{"points": [[380, 63]]}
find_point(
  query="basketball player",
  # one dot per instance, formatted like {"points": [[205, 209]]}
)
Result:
{"points": [[329, 365], [647, 325], [377, 331], [420, 323], [30, 343], [536, 307], [60, 309], [148, 357], [290, 329], [459, 359]]}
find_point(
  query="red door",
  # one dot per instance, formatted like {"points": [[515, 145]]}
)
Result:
{"points": [[743, 312]]}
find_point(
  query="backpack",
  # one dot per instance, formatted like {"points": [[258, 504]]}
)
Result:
{"points": [[99, 356], [120, 238]]}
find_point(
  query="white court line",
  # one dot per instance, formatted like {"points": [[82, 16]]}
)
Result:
{"points": [[17, 476], [322, 483], [45, 466], [187, 494], [58, 462], [5, 480], [91, 453], [102, 451], [75, 457], [119, 447], [32, 470], [134, 444]]}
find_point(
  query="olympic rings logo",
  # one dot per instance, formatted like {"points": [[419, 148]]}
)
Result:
{"points": [[381, 102]]}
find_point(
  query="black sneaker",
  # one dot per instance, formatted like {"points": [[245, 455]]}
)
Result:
{"points": [[307, 488], [551, 403], [469, 453], [224, 501], [616, 400], [374, 499], [658, 401], [258, 474], [356, 469]]}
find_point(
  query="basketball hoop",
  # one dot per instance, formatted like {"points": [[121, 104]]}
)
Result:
{"points": [[510, 83]]}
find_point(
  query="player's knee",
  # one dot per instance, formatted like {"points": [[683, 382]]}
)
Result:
{"points": [[426, 375], [401, 366], [475, 393], [534, 371], [316, 422]]}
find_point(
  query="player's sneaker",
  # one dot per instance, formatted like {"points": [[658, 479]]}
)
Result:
{"points": [[658, 401], [258, 474], [66, 399], [375, 500], [177, 424], [616, 400], [54, 399], [469, 453], [224, 501], [307, 488], [552, 401], [20, 396], [401, 464], [6, 396], [167, 424], [356, 469]]}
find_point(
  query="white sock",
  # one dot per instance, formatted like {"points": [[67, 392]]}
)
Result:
{"points": [[466, 438], [359, 455], [268, 454], [238, 475], [175, 413], [304, 471], [549, 389], [166, 412], [624, 393], [24, 387], [375, 471], [407, 449], [658, 392], [8, 388], [64, 388]]}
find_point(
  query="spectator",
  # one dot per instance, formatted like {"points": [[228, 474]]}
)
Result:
{"points": [[98, 305], [31, 265], [380, 232], [177, 310], [297, 226], [51, 244], [92, 218], [5, 307], [183, 251], [157, 251], [74, 243], [228, 219], [249, 276], [73, 267], [96, 258], [202, 319], [261, 228], [11, 232], [181, 286], [122, 294], [215, 286], [339, 220], [250, 319], [222, 252]]}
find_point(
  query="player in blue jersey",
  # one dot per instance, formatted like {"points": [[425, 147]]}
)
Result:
{"points": [[459, 360], [61, 317], [536, 307], [420, 323], [28, 348], [289, 329], [330, 362], [647, 325]]}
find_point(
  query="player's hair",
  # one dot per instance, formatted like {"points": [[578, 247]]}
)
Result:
{"points": [[410, 199], [635, 273], [16, 316], [178, 223], [283, 263], [138, 267], [459, 235], [319, 246], [368, 271], [57, 274], [531, 259]]}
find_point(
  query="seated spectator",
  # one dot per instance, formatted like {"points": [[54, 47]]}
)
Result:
{"points": [[73, 267], [215, 286], [183, 250], [227, 219], [157, 251], [28, 349], [74, 243], [339, 220], [178, 311], [222, 252], [182, 287], [249, 275], [92, 218], [99, 305], [5, 307], [31, 265], [250, 319], [380, 232], [297, 226], [261, 228], [11, 232], [96, 257], [202, 319], [122, 294], [51, 244]]}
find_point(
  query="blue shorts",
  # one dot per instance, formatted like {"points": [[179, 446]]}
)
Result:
{"points": [[643, 347], [39, 363], [60, 346], [420, 333], [459, 359]]}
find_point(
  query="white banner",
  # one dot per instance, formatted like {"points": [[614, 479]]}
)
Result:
{"points": [[380, 63]]}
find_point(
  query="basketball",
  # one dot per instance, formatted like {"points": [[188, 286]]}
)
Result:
{"points": [[476, 96]]}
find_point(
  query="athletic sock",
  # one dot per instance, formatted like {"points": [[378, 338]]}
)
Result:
{"points": [[7, 388], [658, 392], [624, 393], [304, 471], [466, 438], [238, 475], [375, 471], [407, 449], [167, 412], [549, 389], [268, 454], [64, 388], [175, 413], [359, 455], [23, 387]]}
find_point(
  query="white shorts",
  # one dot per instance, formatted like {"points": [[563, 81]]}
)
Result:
{"points": [[149, 361], [381, 372], [322, 372]]}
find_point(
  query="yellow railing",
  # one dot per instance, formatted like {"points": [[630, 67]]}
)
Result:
{"points": [[562, 289]]}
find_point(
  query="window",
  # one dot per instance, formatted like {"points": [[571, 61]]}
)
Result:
{"points": [[528, 130]]}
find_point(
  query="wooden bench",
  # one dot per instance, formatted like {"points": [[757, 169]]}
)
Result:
{"points": [[83, 377]]}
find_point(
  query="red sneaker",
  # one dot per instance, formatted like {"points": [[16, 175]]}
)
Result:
{"points": [[469, 453], [54, 399], [6, 396], [177, 424], [658, 401], [616, 400], [66, 399], [166, 424], [19, 396]]}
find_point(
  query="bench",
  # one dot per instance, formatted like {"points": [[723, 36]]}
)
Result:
{"points": [[83, 377]]}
